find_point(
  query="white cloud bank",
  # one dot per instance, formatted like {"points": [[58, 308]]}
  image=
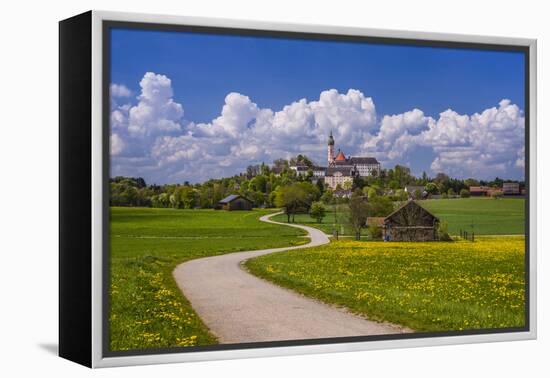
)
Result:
{"points": [[152, 139]]}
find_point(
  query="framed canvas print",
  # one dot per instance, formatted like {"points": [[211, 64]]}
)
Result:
{"points": [[235, 189]]}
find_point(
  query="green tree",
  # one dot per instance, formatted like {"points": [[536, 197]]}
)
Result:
{"points": [[380, 206], [301, 159], [424, 179], [327, 197], [374, 231], [187, 198], [312, 192], [372, 193], [442, 181], [442, 231], [359, 182], [464, 193], [174, 200], [292, 198], [431, 188], [496, 194], [320, 185], [471, 182], [400, 195], [258, 183], [318, 211]]}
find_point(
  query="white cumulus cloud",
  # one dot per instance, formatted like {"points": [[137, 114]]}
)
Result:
{"points": [[120, 90], [156, 112], [152, 136]]}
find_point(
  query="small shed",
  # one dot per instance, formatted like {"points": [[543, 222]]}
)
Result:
{"points": [[411, 222], [376, 221], [235, 202]]}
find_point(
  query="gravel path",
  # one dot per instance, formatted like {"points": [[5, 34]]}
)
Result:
{"points": [[239, 307]]}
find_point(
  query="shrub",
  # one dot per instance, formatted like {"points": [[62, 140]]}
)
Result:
{"points": [[317, 211], [443, 231], [374, 232], [400, 195], [464, 193], [496, 194], [431, 188]]}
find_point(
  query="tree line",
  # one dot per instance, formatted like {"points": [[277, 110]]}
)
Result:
{"points": [[269, 186]]}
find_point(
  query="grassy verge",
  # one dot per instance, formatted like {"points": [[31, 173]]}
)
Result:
{"points": [[147, 308], [425, 286]]}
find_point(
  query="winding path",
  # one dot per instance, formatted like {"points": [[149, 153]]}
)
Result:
{"points": [[239, 307]]}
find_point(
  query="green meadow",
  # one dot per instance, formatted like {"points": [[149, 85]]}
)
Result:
{"points": [[147, 309], [337, 217], [483, 216], [435, 286]]}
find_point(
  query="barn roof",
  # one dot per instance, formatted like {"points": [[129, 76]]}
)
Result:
{"points": [[376, 221], [409, 203], [232, 198], [477, 189]]}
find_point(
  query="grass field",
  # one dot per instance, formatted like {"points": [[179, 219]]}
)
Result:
{"points": [[505, 216], [432, 286], [337, 217], [147, 308]]}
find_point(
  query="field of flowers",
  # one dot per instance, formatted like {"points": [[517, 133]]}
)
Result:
{"points": [[147, 309], [434, 286]]}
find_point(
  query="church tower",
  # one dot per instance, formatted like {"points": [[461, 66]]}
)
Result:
{"points": [[330, 149]]}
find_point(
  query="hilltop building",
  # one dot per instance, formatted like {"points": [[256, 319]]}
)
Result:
{"points": [[342, 169]]}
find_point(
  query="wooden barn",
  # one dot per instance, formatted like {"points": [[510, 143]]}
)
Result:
{"points": [[410, 222], [235, 202]]}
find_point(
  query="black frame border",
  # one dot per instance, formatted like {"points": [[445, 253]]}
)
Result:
{"points": [[106, 27]]}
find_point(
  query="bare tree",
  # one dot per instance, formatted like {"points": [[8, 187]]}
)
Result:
{"points": [[358, 214]]}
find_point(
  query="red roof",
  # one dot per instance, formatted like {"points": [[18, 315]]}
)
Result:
{"points": [[340, 156], [479, 189]]}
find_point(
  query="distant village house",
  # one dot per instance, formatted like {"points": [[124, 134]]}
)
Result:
{"points": [[508, 189], [482, 191], [511, 188]]}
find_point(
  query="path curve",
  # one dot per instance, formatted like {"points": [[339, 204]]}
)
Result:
{"points": [[239, 307]]}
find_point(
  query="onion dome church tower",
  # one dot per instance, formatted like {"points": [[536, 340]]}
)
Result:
{"points": [[330, 149]]}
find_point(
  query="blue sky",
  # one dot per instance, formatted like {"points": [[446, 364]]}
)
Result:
{"points": [[272, 73]]}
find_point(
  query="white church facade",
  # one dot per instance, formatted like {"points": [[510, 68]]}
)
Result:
{"points": [[340, 169]]}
